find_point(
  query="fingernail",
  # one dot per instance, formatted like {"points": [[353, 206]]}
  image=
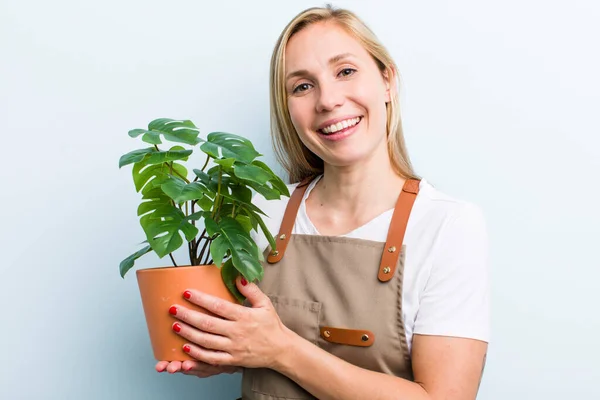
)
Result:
{"points": [[176, 327], [187, 294], [244, 281], [173, 310], [186, 348], [187, 369]]}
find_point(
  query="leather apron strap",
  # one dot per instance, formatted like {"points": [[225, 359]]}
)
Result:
{"points": [[395, 237]]}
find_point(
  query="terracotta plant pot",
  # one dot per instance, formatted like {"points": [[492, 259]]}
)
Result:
{"points": [[160, 288]]}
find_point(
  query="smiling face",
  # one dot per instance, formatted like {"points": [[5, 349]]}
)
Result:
{"points": [[336, 95]]}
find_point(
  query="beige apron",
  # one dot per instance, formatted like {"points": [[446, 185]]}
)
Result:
{"points": [[328, 290]]}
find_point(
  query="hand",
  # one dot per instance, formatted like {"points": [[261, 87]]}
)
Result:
{"points": [[252, 337], [195, 368]]}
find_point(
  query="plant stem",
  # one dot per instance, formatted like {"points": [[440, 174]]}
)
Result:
{"points": [[204, 248], [206, 163], [218, 196], [172, 259]]}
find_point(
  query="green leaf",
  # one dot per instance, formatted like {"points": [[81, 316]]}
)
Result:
{"points": [[206, 203], [257, 220], [229, 274], [134, 156], [211, 226], [251, 173], [244, 252], [127, 263], [226, 145], [142, 174], [152, 138], [180, 191], [136, 132], [245, 221], [182, 131], [160, 157], [202, 176], [163, 224], [241, 194], [196, 216], [226, 163], [276, 181], [267, 192], [218, 249]]}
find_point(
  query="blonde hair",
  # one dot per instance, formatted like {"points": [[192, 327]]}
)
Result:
{"points": [[294, 156]]}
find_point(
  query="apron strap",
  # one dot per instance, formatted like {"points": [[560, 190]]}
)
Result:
{"points": [[289, 218], [395, 238], [396, 231]]}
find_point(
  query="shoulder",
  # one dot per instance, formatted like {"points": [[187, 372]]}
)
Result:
{"points": [[442, 214]]}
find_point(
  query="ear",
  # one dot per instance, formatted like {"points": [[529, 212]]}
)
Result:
{"points": [[389, 78]]}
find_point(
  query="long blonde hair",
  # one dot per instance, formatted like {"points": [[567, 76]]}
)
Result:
{"points": [[294, 156]]}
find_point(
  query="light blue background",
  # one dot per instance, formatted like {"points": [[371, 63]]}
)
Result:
{"points": [[500, 106]]}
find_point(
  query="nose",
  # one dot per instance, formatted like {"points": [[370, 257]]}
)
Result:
{"points": [[329, 97]]}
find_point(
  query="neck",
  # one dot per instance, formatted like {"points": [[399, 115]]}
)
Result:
{"points": [[372, 186]]}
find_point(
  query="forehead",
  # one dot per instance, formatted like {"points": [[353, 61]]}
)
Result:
{"points": [[317, 43]]}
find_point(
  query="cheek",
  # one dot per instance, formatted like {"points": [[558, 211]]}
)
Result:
{"points": [[299, 115]]}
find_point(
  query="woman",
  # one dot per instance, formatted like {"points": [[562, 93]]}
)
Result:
{"points": [[379, 287]]}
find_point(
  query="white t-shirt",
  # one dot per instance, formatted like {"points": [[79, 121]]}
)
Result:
{"points": [[446, 287]]}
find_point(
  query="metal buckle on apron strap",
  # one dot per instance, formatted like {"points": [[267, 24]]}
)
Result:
{"points": [[352, 337]]}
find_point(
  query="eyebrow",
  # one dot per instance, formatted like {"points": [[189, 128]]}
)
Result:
{"points": [[332, 60]]}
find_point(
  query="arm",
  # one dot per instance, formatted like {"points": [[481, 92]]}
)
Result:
{"points": [[444, 368]]}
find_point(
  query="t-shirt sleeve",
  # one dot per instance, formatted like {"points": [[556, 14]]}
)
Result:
{"points": [[456, 298]]}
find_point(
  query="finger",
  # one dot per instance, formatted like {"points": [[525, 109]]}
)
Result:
{"points": [[161, 366], [199, 369], [201, 338], [252, 292], [206, 323], [211, 357], [174, 366], [215, 305]]}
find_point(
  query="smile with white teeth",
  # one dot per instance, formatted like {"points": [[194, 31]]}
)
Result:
{"points": [[341, 125]]}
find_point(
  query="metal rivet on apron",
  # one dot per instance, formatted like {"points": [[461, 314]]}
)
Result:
{"points": [[327, 334], [392, 249], [282, 237], [275, 253], [386, 270], [365, 338]]}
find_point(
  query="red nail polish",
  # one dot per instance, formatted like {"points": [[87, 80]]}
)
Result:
{"points": [[173, 310], [187, 294], [176, 327], [186, 348], [244, 281]]}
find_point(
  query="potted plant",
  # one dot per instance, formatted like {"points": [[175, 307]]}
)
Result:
{"points": [[218, 198]]}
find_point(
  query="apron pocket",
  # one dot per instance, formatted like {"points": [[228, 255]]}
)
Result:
{"points": [[302, 317]]}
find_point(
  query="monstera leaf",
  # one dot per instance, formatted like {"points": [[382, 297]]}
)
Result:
{"points": [[182, 131], [180, 191], [221, 145], [233, 240], [127, 263], [162, 222]]}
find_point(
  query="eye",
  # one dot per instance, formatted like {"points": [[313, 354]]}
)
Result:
{"points": [[347, 72], [301, 87]]}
